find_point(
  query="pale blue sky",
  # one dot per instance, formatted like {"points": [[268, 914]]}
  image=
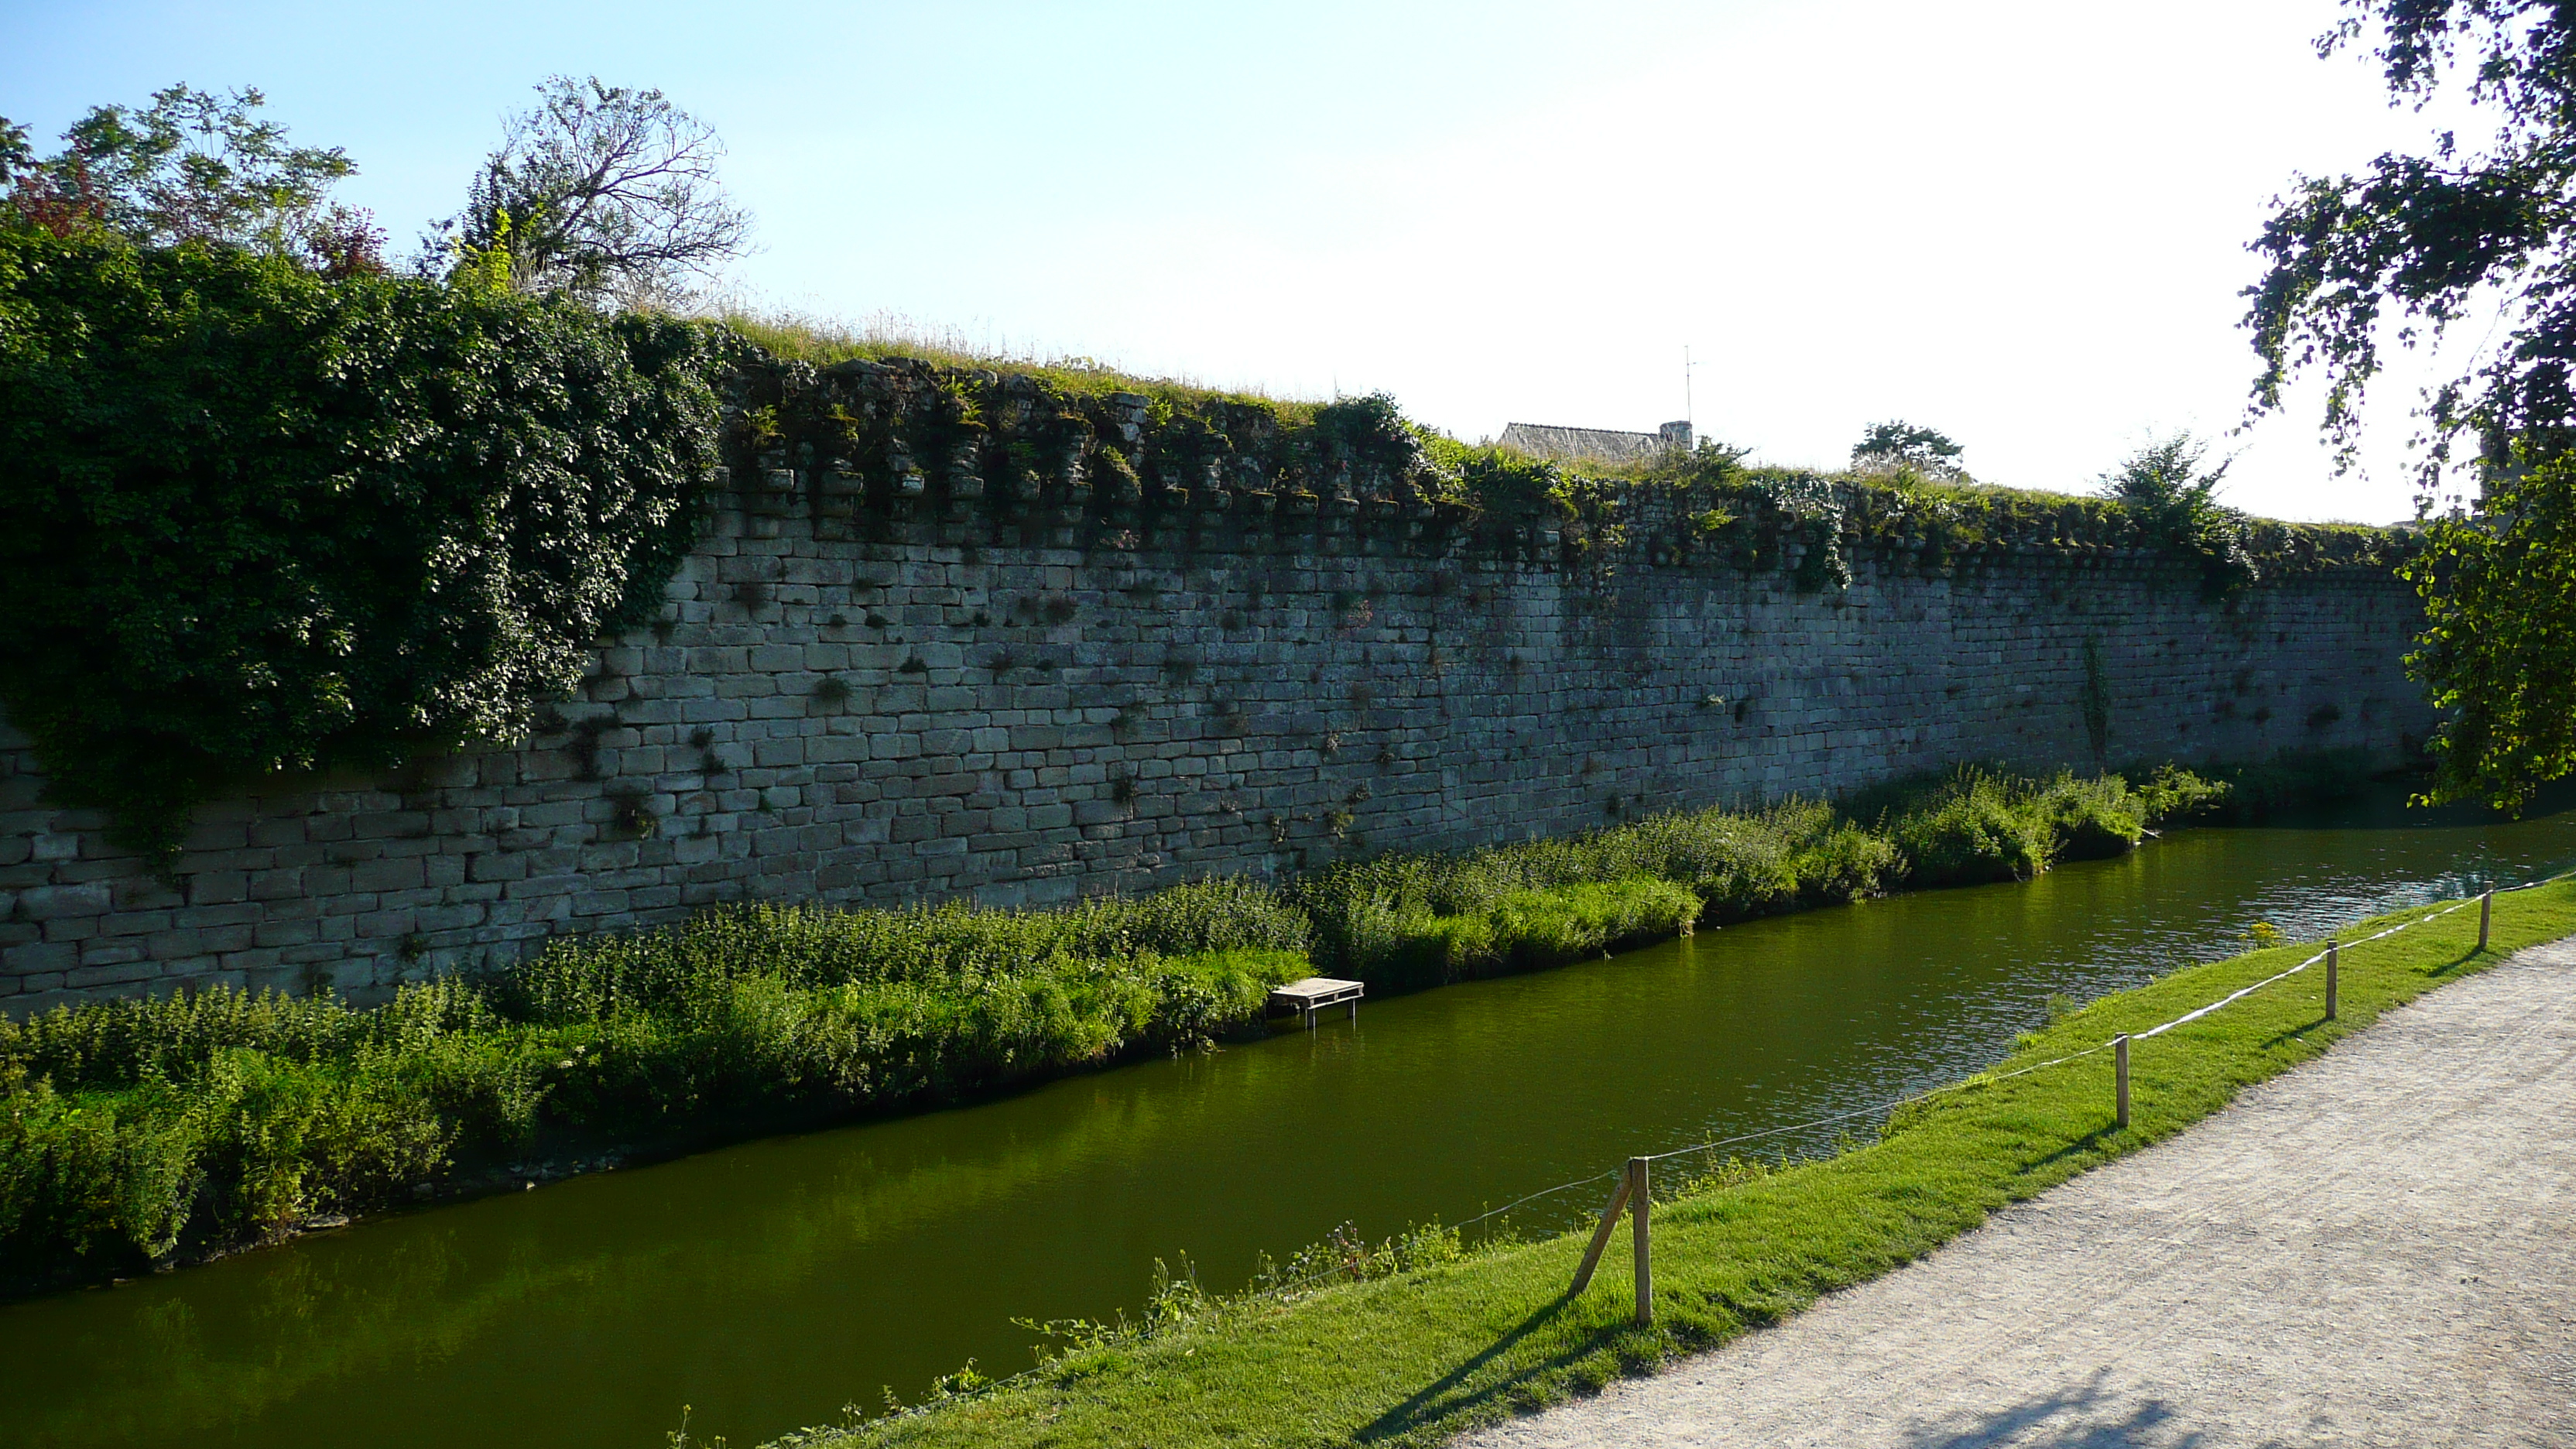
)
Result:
{"points": [[2021, 223]]}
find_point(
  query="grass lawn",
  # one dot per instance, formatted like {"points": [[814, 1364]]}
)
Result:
{"points": [[1416, 1357]]}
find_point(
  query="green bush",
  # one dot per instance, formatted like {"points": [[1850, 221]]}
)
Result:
{"points": [[1847, 863], [1971, 824], [106, 1174], [1411, 919], [2092, 819], [252, 520], [224, 1117], [1406, 919], [2169, 792], [1973, 828], [1544, 928]]}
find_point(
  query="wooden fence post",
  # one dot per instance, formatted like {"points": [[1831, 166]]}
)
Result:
{"points": [[2486, 916], [2120, 1073], [1601, 1234], [1631, 1193], [2334, 956], [1640, 1210]]}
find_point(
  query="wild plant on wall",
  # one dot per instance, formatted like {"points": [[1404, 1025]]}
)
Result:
{"points": [[255, 520]]}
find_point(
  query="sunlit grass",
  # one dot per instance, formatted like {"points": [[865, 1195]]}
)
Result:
{"points": [[823, 342], [1415, 1357]]}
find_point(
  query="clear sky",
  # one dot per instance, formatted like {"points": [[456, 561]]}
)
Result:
{"points": [[2023, 224]]}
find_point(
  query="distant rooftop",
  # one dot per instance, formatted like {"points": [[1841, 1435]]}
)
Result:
{"points": [[1593, 445]]}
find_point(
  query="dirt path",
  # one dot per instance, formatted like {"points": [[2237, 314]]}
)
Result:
{"points": [[2376, 1249]]}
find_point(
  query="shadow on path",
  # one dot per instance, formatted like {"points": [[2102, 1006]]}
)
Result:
{"points": [[2084, 1416]]}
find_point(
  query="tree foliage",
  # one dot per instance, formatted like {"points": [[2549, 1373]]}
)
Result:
{"points": [[604, 193], [2398, 255], [193, 167], [2172, 494], [253, 520], [2499, 595], [2165, 484], [1899, 443]]}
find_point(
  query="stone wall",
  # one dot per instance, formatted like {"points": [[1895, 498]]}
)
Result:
{"points": [[954, 699]]}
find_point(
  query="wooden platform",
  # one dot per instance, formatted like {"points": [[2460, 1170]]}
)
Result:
{"points": [[1315, 993]]}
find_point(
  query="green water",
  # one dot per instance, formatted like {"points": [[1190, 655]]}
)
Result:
{"points": [[769, 1284]]}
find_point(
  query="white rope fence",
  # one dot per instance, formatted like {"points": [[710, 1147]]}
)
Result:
{"points": [[1633, 1195], [1630, 1190]]}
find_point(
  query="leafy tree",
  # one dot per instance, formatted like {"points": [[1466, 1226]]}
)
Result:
{"points": [[2399, 254], [2166, 487], [193, 167], [2163, 485], [603, 193], [1901, 444], [59, 199], [2499, 592]]}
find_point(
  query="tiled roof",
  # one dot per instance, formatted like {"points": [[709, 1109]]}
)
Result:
{"points": [[1582, 445]]}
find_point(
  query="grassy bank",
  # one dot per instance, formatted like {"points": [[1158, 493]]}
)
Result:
{"points": [[140, 1131], [1408, 920], [135, 1129], [1436, 1340]]}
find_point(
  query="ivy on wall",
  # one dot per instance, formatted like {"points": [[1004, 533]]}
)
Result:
{"points": [[860, 429], [254, 521], [1710, 503], [891, 427]]}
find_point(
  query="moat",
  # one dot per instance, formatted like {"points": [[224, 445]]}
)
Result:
{"points": [[767, 1285]]}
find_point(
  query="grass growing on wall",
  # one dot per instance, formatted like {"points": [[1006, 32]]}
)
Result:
{"points": [[136, 1130], [812, 340], [1433, 1340], [254, 521]]}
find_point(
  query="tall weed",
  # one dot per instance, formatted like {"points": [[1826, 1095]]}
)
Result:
{"points": [[223, 1116]]}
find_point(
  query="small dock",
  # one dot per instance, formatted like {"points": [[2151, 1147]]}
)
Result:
{"points": [[1313, 994]]}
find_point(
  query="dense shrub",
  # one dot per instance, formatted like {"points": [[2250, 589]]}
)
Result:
{"points": [[1976, 827], [1413, 919], [223, 1116], [1972, 824], [1417, 918], [2169, 792], [252, 520]]}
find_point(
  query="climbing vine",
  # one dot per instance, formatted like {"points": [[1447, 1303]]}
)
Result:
{"points": [[252, 520], [256, 520], [1751, 514]]}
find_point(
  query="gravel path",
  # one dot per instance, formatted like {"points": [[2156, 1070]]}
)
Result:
{"points": [[2376, 1249]]}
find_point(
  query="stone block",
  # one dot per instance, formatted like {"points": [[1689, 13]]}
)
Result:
{"points": [[401, 873], [54, 903]]}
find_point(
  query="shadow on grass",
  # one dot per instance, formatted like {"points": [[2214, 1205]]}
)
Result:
{"points": [[2100, 1422], [1447, 1396], [2292, 1034], [2463, 959], [2090, 1142]]}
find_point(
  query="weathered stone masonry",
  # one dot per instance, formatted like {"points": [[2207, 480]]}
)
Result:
{"points": [[1019, 706]]}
